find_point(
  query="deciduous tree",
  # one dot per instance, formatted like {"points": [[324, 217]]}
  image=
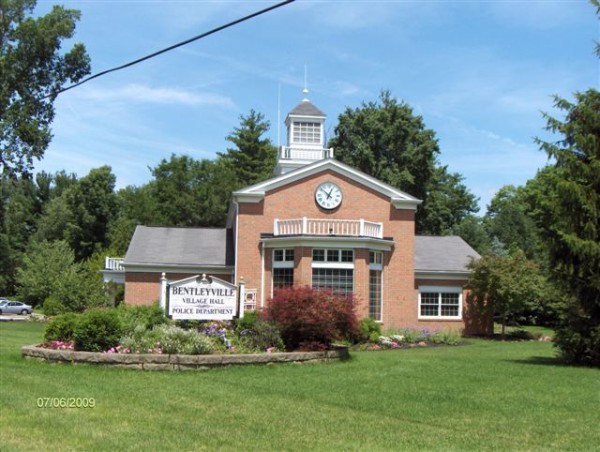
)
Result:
{"points": [[386, 140], [92, 206], [32, 71], [49, 271], [509, 284]]}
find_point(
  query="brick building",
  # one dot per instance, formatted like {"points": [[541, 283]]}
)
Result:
{"points": [[321, 223]]}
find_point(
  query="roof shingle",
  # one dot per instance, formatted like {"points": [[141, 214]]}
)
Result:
{"points": [[153, 245], [442, 254]]}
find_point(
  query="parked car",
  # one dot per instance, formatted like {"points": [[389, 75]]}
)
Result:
{"points": [[14, 307]]}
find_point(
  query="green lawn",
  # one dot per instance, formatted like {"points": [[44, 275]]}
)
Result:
{"points": [[486, 396]]}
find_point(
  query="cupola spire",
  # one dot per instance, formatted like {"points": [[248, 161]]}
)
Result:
{"points": [[305, 90]]}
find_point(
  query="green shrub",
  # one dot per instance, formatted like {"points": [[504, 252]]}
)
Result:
{"points": [[141, 340], [148, 316], [247, 322], [98, 330], [374, 336], [62, 327], [175, 340], [370, 330], [260, 337], [448, 337], [53, 306], [411, 335]]}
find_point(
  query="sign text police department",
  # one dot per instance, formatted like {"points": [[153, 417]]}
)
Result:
{"points": [[198, 298]]}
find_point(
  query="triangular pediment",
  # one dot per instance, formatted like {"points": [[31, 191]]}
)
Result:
{"points": [[256, 193]]}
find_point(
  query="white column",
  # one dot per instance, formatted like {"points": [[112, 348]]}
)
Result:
{"points": [[163, 292], [241, 296]]}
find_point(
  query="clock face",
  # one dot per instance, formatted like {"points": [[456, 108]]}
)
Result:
{"points": [[328, 195]]}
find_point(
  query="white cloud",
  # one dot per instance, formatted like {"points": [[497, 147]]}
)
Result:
{"points": [[145, 94]]}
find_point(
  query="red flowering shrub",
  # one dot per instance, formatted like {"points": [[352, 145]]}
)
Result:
{"points": [[311, 320]]}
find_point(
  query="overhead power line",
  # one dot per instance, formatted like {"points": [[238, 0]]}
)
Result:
{"points": [[174, 46]]}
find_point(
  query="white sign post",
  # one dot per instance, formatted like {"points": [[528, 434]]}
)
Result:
{"points": [[202, 298]]}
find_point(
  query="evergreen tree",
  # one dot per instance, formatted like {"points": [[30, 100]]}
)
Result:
{"points": [[253, 158], [574, 234]]}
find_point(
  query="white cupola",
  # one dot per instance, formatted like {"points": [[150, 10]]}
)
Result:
{"points": [[305, 137]]}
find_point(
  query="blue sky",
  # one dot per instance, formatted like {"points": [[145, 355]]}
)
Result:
{"points": [[479, 73]]}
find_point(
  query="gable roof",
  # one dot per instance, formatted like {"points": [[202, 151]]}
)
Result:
{"points": [[306, 108], [179, 247], [255, 193], [448, 254]]}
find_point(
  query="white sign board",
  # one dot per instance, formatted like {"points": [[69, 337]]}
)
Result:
{"points": [[202, 298]]}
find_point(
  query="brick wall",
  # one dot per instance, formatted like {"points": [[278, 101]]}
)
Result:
{"points": [[296, 200]]}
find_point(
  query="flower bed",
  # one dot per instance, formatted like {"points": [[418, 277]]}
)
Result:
{"points": [[154, 361], [410, 338]]}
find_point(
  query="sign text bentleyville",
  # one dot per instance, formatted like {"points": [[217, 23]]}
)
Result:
{"points": [[201, 299]]}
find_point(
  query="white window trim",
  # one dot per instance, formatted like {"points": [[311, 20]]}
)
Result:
{"points": [[439, 290], [341, 265]]}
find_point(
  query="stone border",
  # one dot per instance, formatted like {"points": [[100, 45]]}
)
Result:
{"points": [[179, 362]]}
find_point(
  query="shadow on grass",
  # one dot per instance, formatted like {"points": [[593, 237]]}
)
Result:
{"points": [[555, 361], [541, 360]]}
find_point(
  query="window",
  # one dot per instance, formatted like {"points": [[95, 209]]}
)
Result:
{"points": [[283, 277], [440, 302], [327, 255], [333, 269], [375, 285], [375, 295], [283, 268], [306, 132], [286, 255], [339, 280], [375, 258]]}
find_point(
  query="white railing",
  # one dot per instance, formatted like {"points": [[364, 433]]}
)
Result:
{"points": [[317, 226], [114, 263], [311, 154]]}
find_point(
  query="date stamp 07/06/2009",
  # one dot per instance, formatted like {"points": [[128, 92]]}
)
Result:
{"points": [[65, 402]]}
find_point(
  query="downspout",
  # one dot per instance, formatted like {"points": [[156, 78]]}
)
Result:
{"points": [[235, 238]]}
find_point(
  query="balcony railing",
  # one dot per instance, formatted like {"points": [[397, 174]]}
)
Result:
{"points": [[309, 154], [114, 263], [317, 226]]}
